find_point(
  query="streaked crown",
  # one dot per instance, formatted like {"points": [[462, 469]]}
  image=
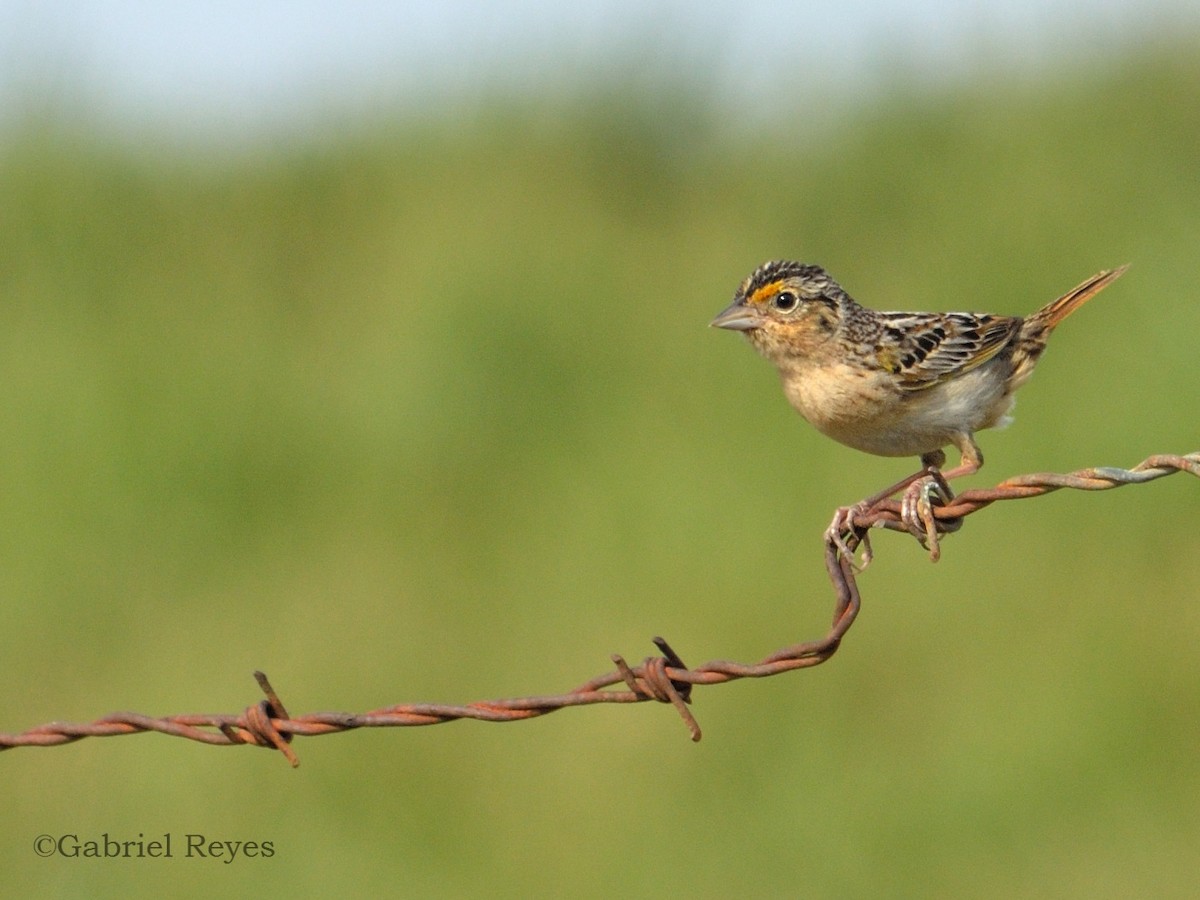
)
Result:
{"points": [[808, 281]]}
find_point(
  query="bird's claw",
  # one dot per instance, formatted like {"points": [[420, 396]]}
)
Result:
{"points": [[916, 513], [843, 526]]}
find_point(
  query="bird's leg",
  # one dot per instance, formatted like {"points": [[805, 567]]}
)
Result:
{"points": [[916, 507], [843, 518], [971, 462]]}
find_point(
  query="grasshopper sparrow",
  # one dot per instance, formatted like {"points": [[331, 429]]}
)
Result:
{"points": [[894, 383]]}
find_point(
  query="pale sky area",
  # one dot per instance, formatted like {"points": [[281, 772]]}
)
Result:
{"points": [[238, 66]]}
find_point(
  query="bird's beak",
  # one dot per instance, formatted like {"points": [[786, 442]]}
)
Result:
{"points": [[737, 317]]}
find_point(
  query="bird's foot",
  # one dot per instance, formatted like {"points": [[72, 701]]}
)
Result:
{"points": [[916, 510], [842, 529]]}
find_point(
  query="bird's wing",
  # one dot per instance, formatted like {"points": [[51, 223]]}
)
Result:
{"points": [[927, 349]]}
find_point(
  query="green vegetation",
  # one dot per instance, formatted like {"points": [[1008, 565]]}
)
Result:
{"points": [[428, 411]]}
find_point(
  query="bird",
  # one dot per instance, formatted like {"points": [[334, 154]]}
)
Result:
{"points": [[894, 383]]}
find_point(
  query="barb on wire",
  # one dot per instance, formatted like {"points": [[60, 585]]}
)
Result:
{"points": [[664, 678]]}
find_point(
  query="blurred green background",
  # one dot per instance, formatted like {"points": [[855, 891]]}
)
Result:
{"points": [[426, 409]]}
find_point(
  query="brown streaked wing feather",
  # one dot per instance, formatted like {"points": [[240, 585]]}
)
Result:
{"points": [[927, 349]]}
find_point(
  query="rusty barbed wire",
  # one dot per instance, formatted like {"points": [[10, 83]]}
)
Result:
{"points": [[664, 678]]}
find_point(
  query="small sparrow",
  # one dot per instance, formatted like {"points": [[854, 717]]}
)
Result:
{"points": [[893, 383]]}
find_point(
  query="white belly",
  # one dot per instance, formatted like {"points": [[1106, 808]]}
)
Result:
{"points": [[865, 411]]}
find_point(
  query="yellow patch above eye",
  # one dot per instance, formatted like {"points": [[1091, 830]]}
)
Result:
{"points": [[766, 292]]}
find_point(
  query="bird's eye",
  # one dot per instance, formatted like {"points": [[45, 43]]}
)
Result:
{"points": [[785, 301]]}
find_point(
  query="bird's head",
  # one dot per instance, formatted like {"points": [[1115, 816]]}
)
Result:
{"points": [[784, 308]]}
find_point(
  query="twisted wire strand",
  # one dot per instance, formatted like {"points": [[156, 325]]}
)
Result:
{"points": [[886, 513], [664, 678]]}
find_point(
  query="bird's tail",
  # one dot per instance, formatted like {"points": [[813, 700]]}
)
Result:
{"points": [[1042, 322], [1036, 328]]}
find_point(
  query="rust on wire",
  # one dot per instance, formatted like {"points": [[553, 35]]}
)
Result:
{"points": [[663, 678]]}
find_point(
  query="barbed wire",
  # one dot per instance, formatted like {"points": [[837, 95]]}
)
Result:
{"points": [[664, 678]]}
